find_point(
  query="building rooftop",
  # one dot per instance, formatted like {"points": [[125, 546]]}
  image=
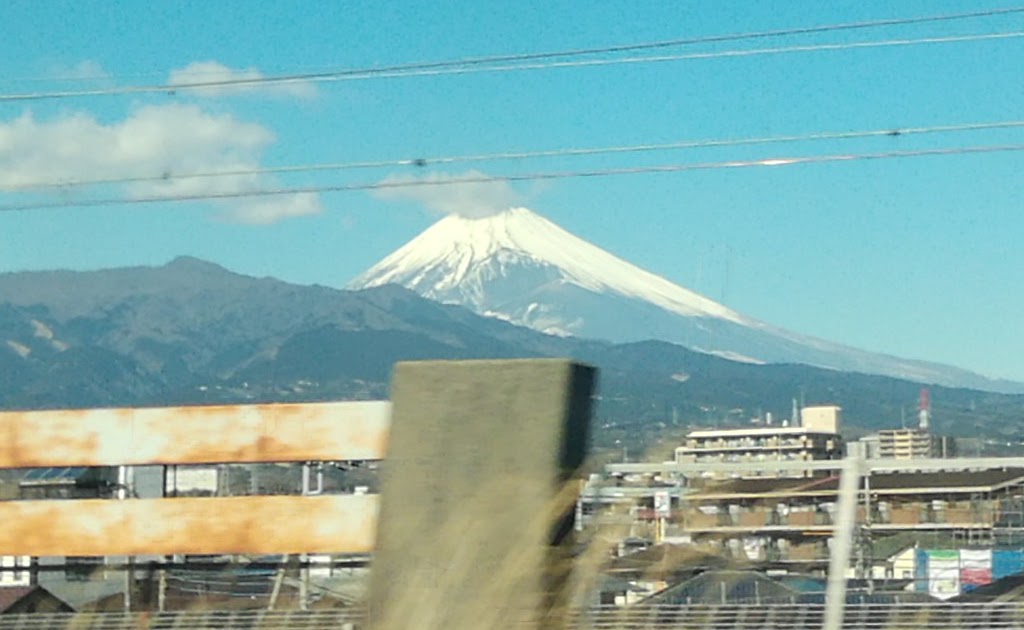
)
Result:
{"points": [[1007, 589], [67, 474], [666, 559], [888, 483], [712, 587], [761, 430], [11, 595]]}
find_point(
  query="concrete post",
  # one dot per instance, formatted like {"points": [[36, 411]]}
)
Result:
{"points": [[842, 542], [477, 495]]}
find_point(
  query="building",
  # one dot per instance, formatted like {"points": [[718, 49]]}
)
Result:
{"points": [[816, 437], [904, 444], [786, 523], [15, 571], [910, 442], [78, 581], [68, 482]]}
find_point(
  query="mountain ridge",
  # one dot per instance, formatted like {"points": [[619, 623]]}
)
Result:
{"points": [[263, 340], [521, 267]]}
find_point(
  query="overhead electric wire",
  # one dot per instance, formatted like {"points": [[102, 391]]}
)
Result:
{"points": [[520, 155], [669, 43], [482, 64], [484, 179], [751, 52]]}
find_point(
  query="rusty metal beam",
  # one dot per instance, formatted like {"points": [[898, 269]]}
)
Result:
{"points": [[195, 435], [256, 525]]}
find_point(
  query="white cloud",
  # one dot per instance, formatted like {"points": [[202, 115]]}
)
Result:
{"points": [[265, 210], [445, 193], [86, 70], [214, 71], [154, 140]]}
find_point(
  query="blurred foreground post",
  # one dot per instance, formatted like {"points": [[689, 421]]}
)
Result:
{"points": [[477, 496], [842, 541]]}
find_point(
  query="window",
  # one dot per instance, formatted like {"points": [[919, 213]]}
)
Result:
{"points": [[14, 570], [81, 568]]}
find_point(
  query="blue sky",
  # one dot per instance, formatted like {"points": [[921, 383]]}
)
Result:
{"points": [[920, 257]]}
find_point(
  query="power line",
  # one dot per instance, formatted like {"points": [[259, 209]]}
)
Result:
{"points": [[689, 41], [482, 64], [521, 155], [752, 52], [485, 179]]}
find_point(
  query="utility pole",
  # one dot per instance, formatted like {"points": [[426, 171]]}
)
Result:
{"points": [[161, 589], [124, 483], [842, 541], [307, 490]]}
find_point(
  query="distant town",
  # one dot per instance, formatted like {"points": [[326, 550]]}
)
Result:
{"points": [[739, 514]]}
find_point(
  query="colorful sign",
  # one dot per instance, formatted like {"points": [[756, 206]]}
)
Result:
{"points": [[662, 504], [943, 573], [975, 568]]}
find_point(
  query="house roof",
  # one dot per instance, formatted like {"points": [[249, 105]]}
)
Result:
{"points": [[1007, 589], [662, 559], [712, 587], [11, 595], [83, 595]]}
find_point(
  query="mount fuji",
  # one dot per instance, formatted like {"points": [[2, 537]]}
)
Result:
{"points": [[520, 267]]}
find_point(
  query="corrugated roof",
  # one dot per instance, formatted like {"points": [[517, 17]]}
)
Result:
{"points": [[977, 479], [765, 485], [981, 480]]}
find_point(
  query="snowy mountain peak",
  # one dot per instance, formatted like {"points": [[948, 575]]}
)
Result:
{"points": [[456, 258], [520, 267]]}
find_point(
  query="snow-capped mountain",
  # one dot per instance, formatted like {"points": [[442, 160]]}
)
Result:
{"points": [[521, 267]]}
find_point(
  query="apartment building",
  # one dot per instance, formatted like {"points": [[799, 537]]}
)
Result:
{"points": [[787, 523], [904, 443], [816, 437]]}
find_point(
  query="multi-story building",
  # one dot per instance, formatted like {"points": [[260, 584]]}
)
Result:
{"points": [[787, 523], [904, 443], [915, 442], [816, 437], [908, 444]]}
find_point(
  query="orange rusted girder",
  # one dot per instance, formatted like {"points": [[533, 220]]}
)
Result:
{"points": [[256, 525], [195, 435]]}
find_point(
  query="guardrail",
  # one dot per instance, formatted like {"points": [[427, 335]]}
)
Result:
{"points": [[192, 435], [479, 456]]}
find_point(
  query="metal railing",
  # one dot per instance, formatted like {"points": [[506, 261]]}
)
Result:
{"points": [[190, 620], [784, 616], [906, 616]]}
